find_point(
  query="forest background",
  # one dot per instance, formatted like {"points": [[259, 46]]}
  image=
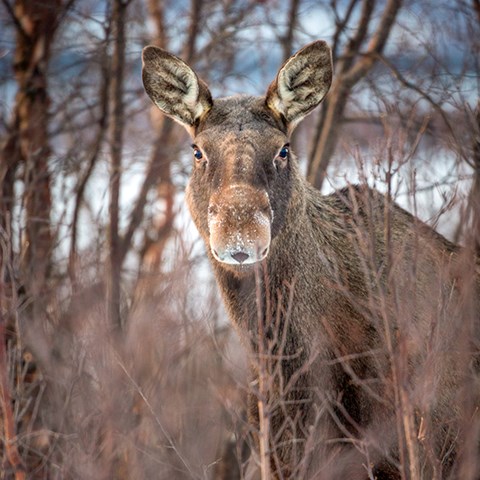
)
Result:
{"points": [[116, 357]]}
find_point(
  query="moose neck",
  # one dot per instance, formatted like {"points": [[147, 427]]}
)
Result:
{"points": [[241, 292]]}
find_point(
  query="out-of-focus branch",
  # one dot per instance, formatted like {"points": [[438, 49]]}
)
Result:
{"points": [[16, 20], [152, 177], [410, 85], [288, 38], [158, 170], [92, 160], [474, 196], [340, 24], [157, 14], [476, 8], [328, 126], [8, 430], [30, 136], [228, 27], [353, 46], [376, 44], [473, 212], [9, 435], [10, 160], [193, 28]]}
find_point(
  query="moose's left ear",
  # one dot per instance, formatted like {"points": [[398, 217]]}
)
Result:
{"points": [[301, 83], [174, 87]]}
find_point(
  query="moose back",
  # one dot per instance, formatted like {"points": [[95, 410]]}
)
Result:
{"points": [[347, 302]]}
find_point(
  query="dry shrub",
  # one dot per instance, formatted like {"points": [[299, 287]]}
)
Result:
{"points": [[164, 397], [155, 400]]}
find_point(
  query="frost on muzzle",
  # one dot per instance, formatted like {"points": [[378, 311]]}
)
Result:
{"points": [[239, 221]]}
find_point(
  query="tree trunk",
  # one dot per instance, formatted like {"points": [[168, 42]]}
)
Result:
{"points": [[26, 149], [28, 143], [116, 147]]}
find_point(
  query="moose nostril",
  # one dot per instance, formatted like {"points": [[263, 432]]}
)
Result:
{"points": [[240, 257], [264, 253]]}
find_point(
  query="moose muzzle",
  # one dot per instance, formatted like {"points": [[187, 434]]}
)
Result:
{"points": [[239, 220]]}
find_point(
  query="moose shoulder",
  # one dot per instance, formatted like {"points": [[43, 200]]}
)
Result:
{"points": [[350, 298]]}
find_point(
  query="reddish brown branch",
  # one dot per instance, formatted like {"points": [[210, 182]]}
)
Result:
{"points": [[353, 46], [476, 8], [9, 433], [327, 131], [91, 162], [193, 29], [157, 14], [292, 20], [340, 25]]}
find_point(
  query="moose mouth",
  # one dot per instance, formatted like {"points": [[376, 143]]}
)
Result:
{"points": [[240, 256]]}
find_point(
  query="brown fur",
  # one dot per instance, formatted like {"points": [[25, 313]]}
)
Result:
{"points": [[350, 279]]}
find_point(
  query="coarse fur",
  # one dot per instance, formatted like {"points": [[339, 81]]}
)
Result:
{"points": [[336, 292]]}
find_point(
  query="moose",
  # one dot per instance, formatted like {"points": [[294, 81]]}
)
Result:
{"points": [[361, 320]]}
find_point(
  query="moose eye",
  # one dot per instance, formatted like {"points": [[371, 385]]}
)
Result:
{"points": [[281, 159], [200, 159], [284, 152], [197, 153]]}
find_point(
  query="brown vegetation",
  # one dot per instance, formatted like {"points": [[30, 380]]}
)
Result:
{"points": [[116, 359]]}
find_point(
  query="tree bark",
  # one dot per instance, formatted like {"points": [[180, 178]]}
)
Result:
{"points": [[28, 141], [26, 149], [117, 126]]}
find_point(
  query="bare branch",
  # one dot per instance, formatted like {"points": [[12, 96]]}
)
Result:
{"points": [[412, 86], [156, 11], [193, 28], [340, 25], [353, 46], [101, 132], [15, 19], [376, 44], [292, 18], [476, 8], [325, 138]]}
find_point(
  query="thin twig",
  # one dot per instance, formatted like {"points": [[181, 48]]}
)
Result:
{"points": [[9, 431], [169, 439]]}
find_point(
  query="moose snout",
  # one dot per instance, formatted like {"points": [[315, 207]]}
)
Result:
{"points": [[239, 253], [239, 221]]}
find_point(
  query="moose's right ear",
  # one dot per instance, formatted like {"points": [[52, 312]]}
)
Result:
{"points": [[174, 87], [301, 83]]}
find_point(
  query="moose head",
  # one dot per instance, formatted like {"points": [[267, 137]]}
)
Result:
{"points": [[244, 171]]}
